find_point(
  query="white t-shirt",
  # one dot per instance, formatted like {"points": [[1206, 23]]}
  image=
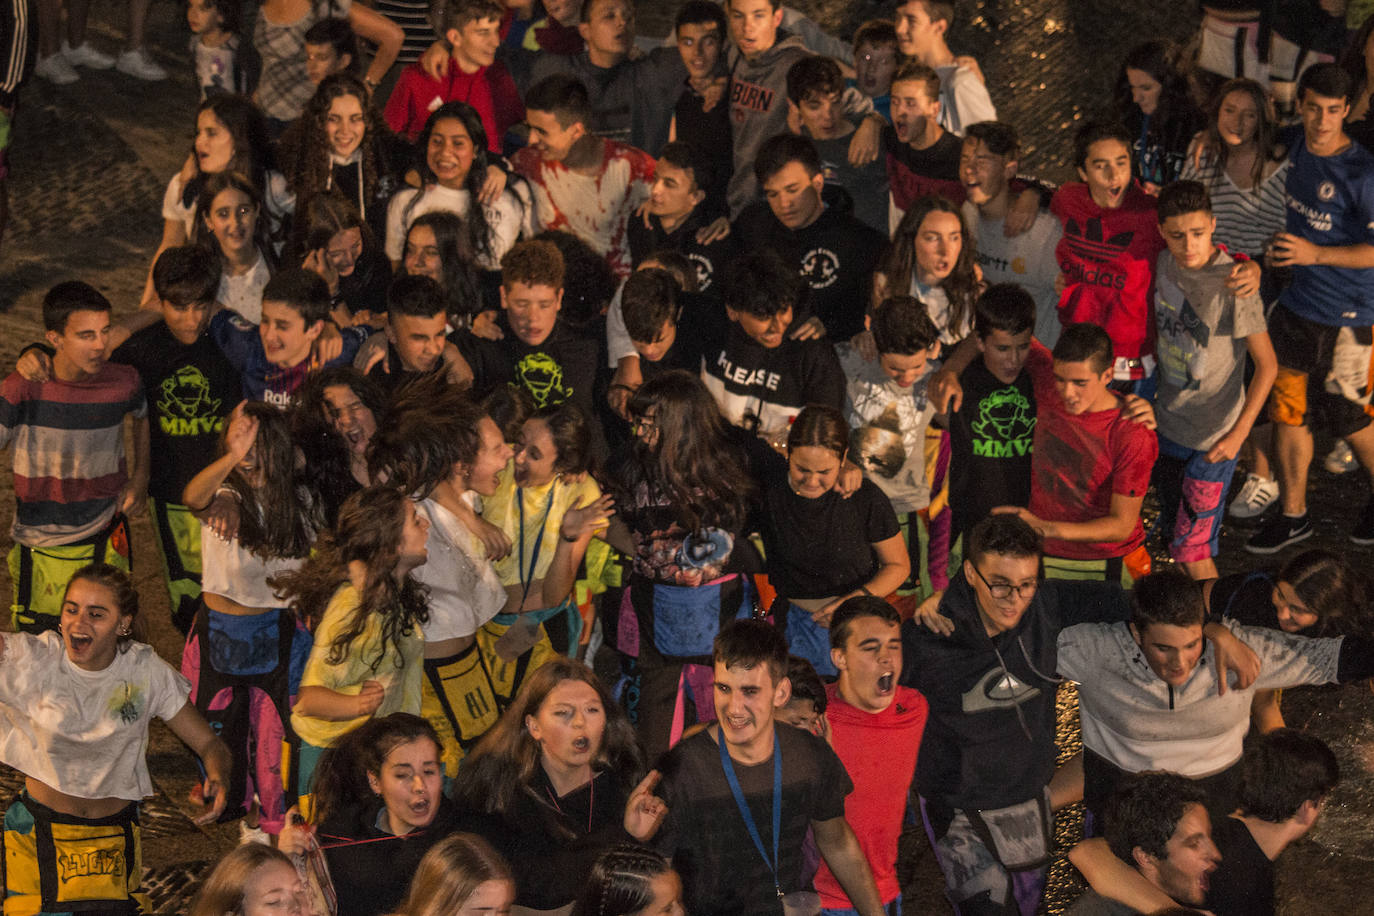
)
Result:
{"points": [[231, 570], [243, 292], [1026, 260], [279, 200], [503, 220], [964, 99], [84, 733], [464, 590]]}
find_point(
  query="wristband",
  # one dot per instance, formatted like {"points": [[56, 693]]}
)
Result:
{"points": [[864, 589], [570, 540]]}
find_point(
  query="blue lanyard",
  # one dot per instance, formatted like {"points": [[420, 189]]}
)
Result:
{"points": [[733, 780], [527, 580]]}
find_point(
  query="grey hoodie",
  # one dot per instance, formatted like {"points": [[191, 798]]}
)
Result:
{"points": [[758, 107]]}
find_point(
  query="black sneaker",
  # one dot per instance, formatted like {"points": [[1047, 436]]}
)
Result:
{"points": [[1281, 530], [1363, 532]]}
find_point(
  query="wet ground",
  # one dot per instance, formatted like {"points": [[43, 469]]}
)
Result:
{"points": [[90, 163]]}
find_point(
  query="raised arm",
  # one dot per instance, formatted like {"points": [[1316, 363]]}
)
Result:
{"points": [[1113, 878]]}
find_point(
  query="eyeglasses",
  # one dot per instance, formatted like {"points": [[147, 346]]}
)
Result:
{"points": [[1004, 589]]}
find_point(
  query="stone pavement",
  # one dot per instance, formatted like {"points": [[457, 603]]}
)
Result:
{"points": [[91, 161]]}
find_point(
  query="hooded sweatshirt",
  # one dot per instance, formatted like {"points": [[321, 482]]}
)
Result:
{"points": [[989, 741], [836, 255], [1108, 260], [758, 107], [878, 751]]}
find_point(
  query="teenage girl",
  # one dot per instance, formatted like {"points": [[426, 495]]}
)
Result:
{"points": [[75, 707]]}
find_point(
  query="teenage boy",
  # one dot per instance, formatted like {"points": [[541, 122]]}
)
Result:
{"points": [[472, 29], [759, 59], [274, 358], [73, 479], [742, 794], [677, 212], [921, 29], [814, 88], [416, 337], [875, 60], [987, 164], [631, 100], [1158, 825], [536, 352], [701, 117], [1204, 409], [1090, 467], [1110, 245], [992, 428], [922, 157], [665, 332], [1150, 700], [890, 413], [582, 183], [834, 252], [988, 749], [190, 388], [1285, 779], [760, 376], [1108, 251], [1323, 319], [875, 728]]}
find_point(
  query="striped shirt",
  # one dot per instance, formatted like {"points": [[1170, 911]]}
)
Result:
{"points": [[1245, 220], [413, 18], [69, 463]]}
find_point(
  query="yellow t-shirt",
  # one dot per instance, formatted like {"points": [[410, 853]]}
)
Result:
{"points": [[400, 674], [500, 510]]}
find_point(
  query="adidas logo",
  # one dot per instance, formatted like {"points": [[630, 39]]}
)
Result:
{"points": [[1089, 244]]}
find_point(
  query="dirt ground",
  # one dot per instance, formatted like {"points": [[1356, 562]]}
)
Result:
{"points": [[91, 161]]}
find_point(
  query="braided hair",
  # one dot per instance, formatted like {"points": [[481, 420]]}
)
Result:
{"points": [[619, 884]]}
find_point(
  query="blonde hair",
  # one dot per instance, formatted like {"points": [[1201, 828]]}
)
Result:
{"points": [[222, 892], [450, 873]]}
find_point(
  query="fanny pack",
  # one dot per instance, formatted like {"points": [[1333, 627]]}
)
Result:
{"points": [[87, 864], [1019, 835], [686, 620]]}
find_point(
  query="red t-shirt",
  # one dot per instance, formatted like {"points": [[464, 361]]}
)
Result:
{"points": [[878, 751], [1080, 462], [490, 90], [1108, 260]]}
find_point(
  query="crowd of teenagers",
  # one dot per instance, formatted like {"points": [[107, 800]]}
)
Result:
{"points": [[748, 367]]}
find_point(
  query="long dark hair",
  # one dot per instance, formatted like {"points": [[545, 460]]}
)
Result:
{"points": [[505, 761], [276, 519], [431, 427], [1330, 588], [215, 185], [899, 263], [325, 216], [369, 530], [1161, 60], [1266, 131], [313, 169], [252, 151], [330, 480], [340, 778], [478, 231], [693, 465], [458, 269], [619, 882]]}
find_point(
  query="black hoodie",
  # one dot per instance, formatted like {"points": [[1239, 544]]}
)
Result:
{"points": [[836, 255], [989, 742]]}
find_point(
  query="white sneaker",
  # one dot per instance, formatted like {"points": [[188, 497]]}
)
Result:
{"points": [[1340, 459], [253, 835], [83, 55], [138, 64], [56, 70], [1256, 495]]}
